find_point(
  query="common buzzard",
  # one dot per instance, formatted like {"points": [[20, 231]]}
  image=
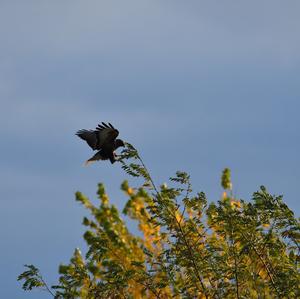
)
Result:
{"points": [[103, 139]]}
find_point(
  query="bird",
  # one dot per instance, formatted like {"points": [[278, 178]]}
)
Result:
{"points": [[103, 139]]}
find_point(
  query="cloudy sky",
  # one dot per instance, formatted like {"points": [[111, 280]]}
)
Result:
{"points": [[194, 85]]}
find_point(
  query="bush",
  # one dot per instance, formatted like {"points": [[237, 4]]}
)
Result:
{"points": [[188, 249]]}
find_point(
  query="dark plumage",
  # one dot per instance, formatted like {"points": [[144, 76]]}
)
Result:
{"points": [[103, 139]]}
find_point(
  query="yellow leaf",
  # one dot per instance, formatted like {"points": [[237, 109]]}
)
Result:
{"points": [[235, 204], [263, 274], [105, 199], [130, 191], [178, 217]]}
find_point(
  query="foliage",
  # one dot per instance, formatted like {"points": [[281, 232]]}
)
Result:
{"points": [[188, 248]]}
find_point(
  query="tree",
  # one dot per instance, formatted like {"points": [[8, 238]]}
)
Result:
{"points": [[189, 248]]}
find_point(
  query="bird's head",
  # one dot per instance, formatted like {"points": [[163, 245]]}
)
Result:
{"points": [[119, 143]]}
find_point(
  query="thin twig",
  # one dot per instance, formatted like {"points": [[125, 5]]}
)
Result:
{"points": [[265, 265], [46, 286], [180, 228], [232, 245]]}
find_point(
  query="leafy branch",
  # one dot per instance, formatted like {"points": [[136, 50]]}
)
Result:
{"points": [[33, 279], [186, 248]]}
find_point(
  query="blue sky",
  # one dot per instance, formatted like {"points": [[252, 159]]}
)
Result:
{"points": [[194, 85]]}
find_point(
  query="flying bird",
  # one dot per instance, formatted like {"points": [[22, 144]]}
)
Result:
{"points": [[103, 139]]}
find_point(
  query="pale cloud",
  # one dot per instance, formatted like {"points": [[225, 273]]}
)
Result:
{"points": [[154, 30]]}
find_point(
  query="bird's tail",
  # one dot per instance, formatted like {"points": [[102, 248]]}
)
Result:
{"points": [[93, 159], [88, 162]]}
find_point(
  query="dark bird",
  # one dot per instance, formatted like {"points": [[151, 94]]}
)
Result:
{"points": [[103, 139]]}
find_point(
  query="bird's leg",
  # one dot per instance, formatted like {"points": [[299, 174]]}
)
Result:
{"points": [[112, 158]]}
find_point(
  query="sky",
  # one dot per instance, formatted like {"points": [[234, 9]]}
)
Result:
{"points": [[194, 85]]}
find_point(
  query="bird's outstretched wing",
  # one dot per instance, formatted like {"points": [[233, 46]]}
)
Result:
{"points": [[103, 134]]}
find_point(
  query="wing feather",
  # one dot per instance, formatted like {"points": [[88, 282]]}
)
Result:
{"points": [[103, 135], [89, 136]]}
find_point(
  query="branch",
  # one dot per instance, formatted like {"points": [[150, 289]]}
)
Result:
{"points": [[197, 272]]}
